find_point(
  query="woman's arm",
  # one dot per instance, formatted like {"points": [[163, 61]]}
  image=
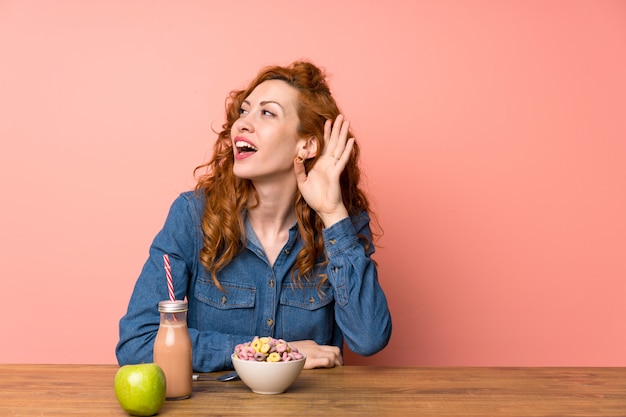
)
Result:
{"points": [[180, 238], [361, 309]]}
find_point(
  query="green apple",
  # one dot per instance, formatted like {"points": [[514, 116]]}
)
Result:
{"points": [[140, 389]]}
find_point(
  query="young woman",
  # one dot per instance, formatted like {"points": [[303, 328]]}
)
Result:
{"points": [[275, 240]]}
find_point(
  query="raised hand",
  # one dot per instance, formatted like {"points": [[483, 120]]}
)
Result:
{"points": [[320, 186]]}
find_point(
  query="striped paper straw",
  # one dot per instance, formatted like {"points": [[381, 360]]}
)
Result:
{"points": [[168, 275]]}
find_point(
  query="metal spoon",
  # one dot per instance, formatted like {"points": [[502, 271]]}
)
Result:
{"points": [[222, 378]]}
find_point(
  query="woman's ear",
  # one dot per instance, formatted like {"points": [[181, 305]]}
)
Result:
{"points": [[310, 147]]}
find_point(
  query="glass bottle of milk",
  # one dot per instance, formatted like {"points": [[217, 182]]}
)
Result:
{"points": [[172, 349]]}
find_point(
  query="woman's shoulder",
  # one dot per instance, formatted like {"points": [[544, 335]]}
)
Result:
{"points": [[193, 196], [193, 200]]}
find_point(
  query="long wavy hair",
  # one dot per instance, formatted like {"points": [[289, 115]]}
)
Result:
{"points": [[227, 196]]}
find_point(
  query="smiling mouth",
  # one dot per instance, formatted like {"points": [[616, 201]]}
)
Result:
{"points": [[244, 147]]}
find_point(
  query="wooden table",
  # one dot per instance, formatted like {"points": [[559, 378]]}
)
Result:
{"points": [[87, 390]]}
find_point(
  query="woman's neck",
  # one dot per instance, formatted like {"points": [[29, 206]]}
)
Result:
{"points": [[271, 217]]}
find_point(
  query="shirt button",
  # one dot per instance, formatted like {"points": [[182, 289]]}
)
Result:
{"points": [[271, 283], [311, 300], [270, 322], [333, 241], [287, 251], [223, 299]]}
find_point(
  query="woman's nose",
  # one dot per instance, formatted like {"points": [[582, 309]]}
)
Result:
{"points": [[243, 125]]}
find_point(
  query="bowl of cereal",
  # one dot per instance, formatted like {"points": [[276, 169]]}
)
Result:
{"points": [[267, 365]]}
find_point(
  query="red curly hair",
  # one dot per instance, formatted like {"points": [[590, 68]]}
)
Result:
{"points": [[227, 195]]}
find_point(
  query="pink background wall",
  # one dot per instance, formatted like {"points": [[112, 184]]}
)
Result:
{"points": [[493, 136]]}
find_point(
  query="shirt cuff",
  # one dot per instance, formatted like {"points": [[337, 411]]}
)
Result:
{"points": [[339, 237]]}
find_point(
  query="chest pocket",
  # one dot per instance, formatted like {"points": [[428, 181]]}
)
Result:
{"points": [[230, 311], [307, 313]]}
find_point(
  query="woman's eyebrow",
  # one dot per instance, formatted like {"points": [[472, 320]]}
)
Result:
{"points": [[264, 103], [271, 102]]}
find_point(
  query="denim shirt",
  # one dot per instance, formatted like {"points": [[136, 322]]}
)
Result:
{"points": [[258, 298]]}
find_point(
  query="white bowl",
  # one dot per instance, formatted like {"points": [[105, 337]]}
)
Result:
{"points": [[268, 377]]}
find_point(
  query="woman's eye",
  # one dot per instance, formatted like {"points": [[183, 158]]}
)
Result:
{"points": [[268, 113], [242, 111]]}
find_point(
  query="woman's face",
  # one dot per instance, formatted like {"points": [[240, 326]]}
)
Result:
{"points": [[265, 138]]}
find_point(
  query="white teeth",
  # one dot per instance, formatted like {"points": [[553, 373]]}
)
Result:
{"points": [[244, 145]]}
